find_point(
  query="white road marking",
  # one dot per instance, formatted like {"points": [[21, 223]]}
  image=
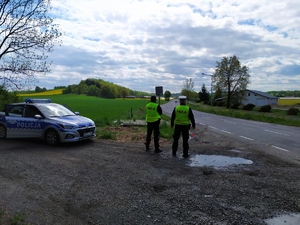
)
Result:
{"points": [[274, 132], [214, 128], [226, 131], [226, 121], [246, 138], [282, 149]]}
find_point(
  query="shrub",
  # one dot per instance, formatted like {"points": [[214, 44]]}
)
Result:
{"points": [[265, 108], [293, 111], [220, 103], [235, 106], [248, 107]]}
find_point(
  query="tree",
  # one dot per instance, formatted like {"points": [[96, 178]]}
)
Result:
{"points": [[27, 34], [231, 78], [218, 97], [188, 88], [167, 95], [204, 95], [124, 92], [7, 97], [39, 89]]}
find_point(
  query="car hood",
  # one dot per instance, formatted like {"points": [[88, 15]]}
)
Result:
{"points": [[80, 121]]}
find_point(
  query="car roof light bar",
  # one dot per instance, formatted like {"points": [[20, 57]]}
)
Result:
{"points": [[32, 100]]}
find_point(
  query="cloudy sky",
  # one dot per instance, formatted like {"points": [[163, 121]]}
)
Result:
{"points": [[141, 44]]}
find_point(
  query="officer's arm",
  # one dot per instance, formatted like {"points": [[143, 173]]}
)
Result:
{"points": [[192, 118], [173, 118], [159, 110]]}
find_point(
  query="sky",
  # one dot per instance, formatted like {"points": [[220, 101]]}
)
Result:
{"points": [[141, 44]]}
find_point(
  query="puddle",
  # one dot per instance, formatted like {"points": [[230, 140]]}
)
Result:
{"points": [[290, 219], [217, 161]]}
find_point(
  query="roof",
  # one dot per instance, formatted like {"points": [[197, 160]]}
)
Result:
{"points": [[262, 94]]}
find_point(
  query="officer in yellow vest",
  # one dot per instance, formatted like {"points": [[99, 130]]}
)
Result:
{"points": [[153, 112], [181, 117]]}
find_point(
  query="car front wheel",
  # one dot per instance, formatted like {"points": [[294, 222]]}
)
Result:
{"points": [[2, 132], [52, 137]]}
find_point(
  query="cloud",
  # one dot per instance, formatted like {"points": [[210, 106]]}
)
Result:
{"points": [[141, 44]]}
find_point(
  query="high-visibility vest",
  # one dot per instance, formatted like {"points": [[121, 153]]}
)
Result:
{"points": [[151, 112], [182, 115]]}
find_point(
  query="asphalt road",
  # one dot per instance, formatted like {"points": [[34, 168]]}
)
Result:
{"points": [[279, 137]]}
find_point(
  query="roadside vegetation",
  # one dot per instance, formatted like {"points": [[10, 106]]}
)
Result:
{"points": [[276, 115], [6, 219]]}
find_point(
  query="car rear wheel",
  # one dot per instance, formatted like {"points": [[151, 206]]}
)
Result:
{"points": [[52, 137], [2, 132]]}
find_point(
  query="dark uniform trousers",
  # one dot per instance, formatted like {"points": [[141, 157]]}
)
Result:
{"points": [[184, 130], [153, 126]]}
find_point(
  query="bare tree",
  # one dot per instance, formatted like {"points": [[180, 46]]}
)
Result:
{"points": [[188, 88], [231, 78], [27, 34]]}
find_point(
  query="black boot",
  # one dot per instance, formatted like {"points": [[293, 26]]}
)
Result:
{"points": [[157, 150], [147, 147], [174, 152]]}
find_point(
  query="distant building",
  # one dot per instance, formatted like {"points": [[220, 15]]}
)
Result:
{"points": [[258, 98]]}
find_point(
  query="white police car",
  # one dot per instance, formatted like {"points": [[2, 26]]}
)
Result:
{"points": [[39, 118]]}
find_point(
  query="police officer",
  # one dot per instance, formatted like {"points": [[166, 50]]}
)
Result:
{"points": [[182, 115], [153, 112]]}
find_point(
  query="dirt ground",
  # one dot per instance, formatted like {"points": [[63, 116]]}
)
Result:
{"points": [[118, 182]]}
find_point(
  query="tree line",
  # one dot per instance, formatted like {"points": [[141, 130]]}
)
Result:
{"points": [[103, 89], [295, 93]]}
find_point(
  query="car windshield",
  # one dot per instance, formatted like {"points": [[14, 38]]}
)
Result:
{"points": [[54, 110]]}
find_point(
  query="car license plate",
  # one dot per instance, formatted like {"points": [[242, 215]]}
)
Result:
{"points": [[87, 134]]}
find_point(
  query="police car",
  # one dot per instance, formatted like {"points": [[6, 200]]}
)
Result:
{"points": [[39, 118]]}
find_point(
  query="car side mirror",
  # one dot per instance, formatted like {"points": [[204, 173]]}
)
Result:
{"points": [[37, 116]]}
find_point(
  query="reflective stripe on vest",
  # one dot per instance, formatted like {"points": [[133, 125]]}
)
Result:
{"points": [[151, 112], [182, 115]]}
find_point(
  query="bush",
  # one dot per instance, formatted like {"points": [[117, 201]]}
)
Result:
{"points": [[248, 107], [293, 111], [265, 108], [7, 97], [235, 106], [219, 103]]}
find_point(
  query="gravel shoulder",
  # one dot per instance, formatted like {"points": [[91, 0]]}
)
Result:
{"points": [[118, 182]]}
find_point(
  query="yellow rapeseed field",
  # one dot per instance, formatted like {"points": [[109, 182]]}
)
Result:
{"points": [[50, 92], [288, 101]]}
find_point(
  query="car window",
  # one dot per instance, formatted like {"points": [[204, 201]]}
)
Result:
{"points": [[52, 110], [15, 110], [31, 111]]}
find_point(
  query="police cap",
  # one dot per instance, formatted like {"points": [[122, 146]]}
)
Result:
{"points": [[182, 97]]}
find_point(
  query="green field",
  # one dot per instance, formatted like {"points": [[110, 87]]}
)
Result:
{"points": [[102, 111], [106, 111]]}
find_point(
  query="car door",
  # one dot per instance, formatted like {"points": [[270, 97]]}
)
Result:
{"points": [[30, 123], [13, 118]]}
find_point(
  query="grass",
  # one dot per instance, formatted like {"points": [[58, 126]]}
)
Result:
{"points": [[5, 219], [102, 111], [276, 116]]}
